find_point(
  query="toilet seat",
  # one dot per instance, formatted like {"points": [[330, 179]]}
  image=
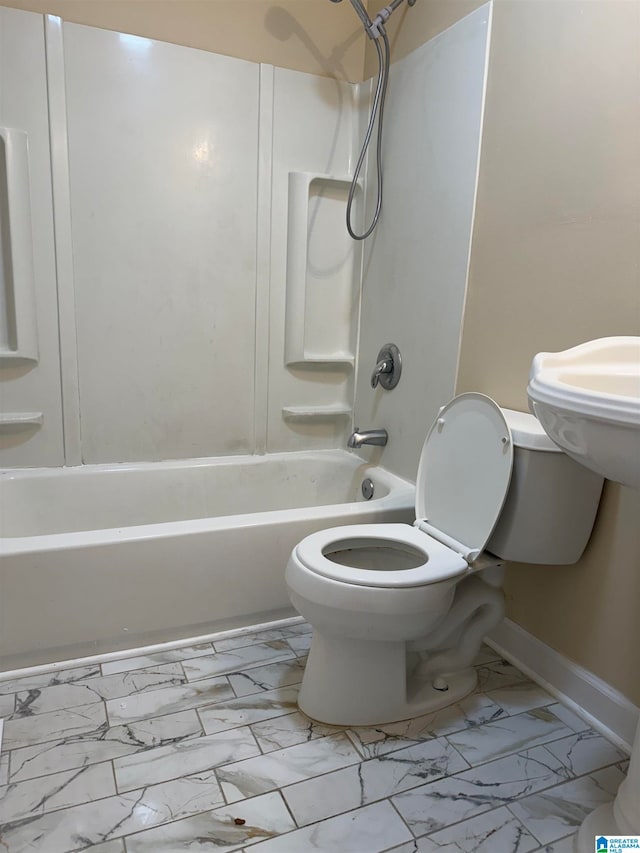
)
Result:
{"points": [[464, 473], [463, 478], [440, 562]]}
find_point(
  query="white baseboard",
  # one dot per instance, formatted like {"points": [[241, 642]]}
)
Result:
{"points": [[600, 704]]}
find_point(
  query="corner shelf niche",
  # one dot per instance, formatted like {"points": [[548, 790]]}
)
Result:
{"points": [[321, 294]]}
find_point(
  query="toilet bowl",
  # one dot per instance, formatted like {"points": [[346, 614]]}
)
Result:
{"points": [[399, 611]]}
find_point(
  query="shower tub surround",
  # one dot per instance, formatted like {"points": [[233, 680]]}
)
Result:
{"points": [[107, 557], [204, 748]]}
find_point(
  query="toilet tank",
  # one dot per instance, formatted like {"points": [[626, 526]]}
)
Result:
{"points": [[552, 501]]}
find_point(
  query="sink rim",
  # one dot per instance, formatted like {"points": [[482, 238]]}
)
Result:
{"points": [[548, 389]]}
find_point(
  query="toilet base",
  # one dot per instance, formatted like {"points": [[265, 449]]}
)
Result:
{"points": [[350, 682], [599, 822]]}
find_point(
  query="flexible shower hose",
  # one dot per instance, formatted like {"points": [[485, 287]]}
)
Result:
{"points": [[376, 109]]}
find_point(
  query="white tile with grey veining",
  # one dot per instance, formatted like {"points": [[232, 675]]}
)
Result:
{"points": [[376, 779], [103, 745], [236, 660], [156, 658], [7, 705], [39, 700], [564, 845], [496, 674], [250, 709], [4, 768], [491, 832], [50, 679], [78, 827], [81, 826], [173, 778], [178, 798], [57, 791], [437, 805], [497, 831], [168, 700], [416, 845], [507, 735], [116, 846], [286, 766], [285, 633], [372, 829], [268, 677], [186, 757], [554, 813], [300, 644], [220, 830], [516, 698], [585, 752], [281, 732], [569, 718], [53, 725], [474, 710]]}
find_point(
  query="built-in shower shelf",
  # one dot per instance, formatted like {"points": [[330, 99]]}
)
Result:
{"points": [[308, 412], [20, 421], [339, 358]]}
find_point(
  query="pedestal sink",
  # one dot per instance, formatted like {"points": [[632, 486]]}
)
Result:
{"points": [[588, 402]]}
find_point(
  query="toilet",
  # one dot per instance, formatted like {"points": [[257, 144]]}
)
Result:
{"points": [[398, 611]]}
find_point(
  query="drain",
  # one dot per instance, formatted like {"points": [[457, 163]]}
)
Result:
{"points": [[367, 489]]}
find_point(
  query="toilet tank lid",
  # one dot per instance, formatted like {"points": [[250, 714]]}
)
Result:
{"points": [[527, 431]]}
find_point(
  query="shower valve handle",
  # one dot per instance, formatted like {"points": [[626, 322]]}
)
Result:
{"points": [[388, 368]]}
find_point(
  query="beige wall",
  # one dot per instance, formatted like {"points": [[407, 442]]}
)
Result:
{"points": [[315, 36], [556, 261]]}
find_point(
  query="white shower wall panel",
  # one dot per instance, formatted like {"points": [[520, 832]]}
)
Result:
{"points": [[30, 386], [415, 269], [163, 152], [315, 131]]}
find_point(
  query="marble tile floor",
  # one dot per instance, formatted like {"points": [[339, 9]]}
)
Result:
{"points": [[203, 749]]}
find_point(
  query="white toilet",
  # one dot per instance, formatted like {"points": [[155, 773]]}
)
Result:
{"points": [[399, 612]]}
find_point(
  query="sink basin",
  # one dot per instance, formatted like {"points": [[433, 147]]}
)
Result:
{"points": [[588, 401]]}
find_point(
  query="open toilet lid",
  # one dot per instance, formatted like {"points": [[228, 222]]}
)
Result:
{"points": [[465, 469]]}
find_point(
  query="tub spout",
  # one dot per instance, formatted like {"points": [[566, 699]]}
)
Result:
{"points": [[368, 436]]}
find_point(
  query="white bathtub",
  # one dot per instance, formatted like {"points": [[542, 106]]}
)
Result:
{"points": [[105, 557]]}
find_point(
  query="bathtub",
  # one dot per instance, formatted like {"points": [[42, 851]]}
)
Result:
{"points": [[105, 557]]}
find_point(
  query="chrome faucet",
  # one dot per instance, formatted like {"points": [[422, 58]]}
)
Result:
{"points": [[368, 436]]}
